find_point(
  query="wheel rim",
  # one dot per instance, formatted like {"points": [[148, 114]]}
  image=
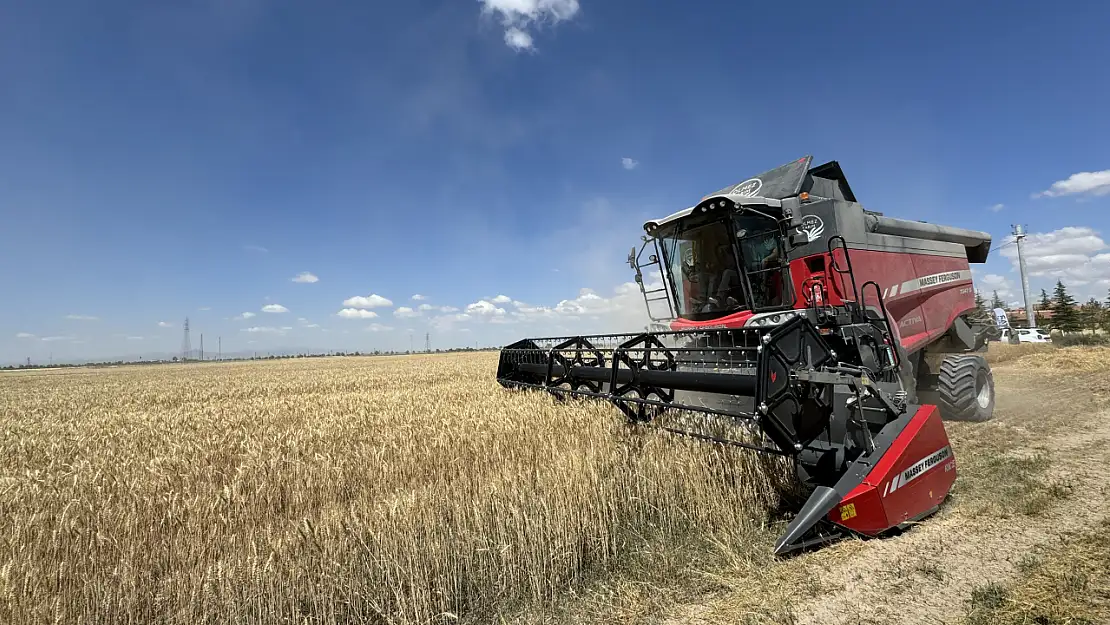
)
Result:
{"points": [[984, 397]]}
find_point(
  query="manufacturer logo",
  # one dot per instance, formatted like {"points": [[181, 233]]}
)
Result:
{"points": [[812, 226], [921, 467], [748, 188], [939, 278]]}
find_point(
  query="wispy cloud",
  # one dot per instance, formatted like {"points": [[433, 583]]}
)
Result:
{"points": [[266, 330], [419, 298], [519, 16], [1082, 183], [246, 315], [997, 207], [255, 248], [57, 338], [165, 324], [81, 317], [24, 335], [629, 163], [305, 277], [204, 308]]}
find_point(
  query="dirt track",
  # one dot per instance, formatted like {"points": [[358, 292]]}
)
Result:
{"points": [[1037, 473]]}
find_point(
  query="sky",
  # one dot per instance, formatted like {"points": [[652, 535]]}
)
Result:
{"points": [[358, 175]]}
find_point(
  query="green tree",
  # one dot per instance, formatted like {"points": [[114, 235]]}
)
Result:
{"points": [[1064, 315], [1046, 303], [996, 302], [1090, 314]]}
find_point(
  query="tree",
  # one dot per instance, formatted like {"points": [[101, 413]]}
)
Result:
{"points": [[996, 302], [1064, 315], [981, 312], [1090, 314], [1046, 303]]}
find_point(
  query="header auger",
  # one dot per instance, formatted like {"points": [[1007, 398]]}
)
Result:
{"points": [[842, 354]]}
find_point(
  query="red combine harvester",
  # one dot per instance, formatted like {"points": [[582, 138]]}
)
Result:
{"points": [[800, 324]]}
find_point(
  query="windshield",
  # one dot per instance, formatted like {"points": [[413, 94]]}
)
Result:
{"points": [[712, 266], [702, 265]]}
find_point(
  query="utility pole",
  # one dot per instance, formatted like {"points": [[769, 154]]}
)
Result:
{"points": [[219, 348], [1030, 316], [427, 342], [202, 346]]}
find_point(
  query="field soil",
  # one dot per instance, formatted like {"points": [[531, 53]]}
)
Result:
{"points": [[1031, 483]]}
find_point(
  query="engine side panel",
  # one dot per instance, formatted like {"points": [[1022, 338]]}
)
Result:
{"points": [[926, 284]]}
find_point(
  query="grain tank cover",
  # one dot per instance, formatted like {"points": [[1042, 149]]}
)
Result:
{"points": [[795, 177], [781, 182]]}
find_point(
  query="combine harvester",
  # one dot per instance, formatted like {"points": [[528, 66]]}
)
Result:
{"points": [[799, 324]]}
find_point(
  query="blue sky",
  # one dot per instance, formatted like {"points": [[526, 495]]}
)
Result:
{"points": [[164, 160]]}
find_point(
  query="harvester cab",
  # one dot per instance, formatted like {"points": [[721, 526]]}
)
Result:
{"points": [[793, 322]]}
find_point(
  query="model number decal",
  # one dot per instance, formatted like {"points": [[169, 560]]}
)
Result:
{"points": [[918, 469]]}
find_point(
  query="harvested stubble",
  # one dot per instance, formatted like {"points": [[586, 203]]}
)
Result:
{"points": [[329, 490]]}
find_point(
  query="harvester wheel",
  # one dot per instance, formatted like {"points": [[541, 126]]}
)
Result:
{"points": [[965, 389]]}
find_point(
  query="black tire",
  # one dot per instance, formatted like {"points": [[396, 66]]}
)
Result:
{"points": [[965, 389]]}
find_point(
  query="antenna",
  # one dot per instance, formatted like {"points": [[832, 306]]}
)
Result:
{"points": [[1019, 235], [185, 346], [428, 342]]}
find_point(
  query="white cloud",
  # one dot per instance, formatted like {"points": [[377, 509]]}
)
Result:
{"points": [[204, 308], [629, 163], [485, 308], [1082, 183], [517, 39], [246, 315], [990, 283], [377, 327], [371, 301], [134, 338], [57, 338], [24, 335], [255, 248], [355, 313], [997, 207], [419, 298], [1074, 254], [312, 325], [501, 299], [448, 309], [81, 317], [274, 308], [518, 16], [165, 324], [405, 312], [305, 277]]}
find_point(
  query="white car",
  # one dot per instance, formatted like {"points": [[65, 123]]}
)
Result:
{"points": [[1026, 335]]}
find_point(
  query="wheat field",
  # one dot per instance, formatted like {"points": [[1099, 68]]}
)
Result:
{"points": [[373, 490]]}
